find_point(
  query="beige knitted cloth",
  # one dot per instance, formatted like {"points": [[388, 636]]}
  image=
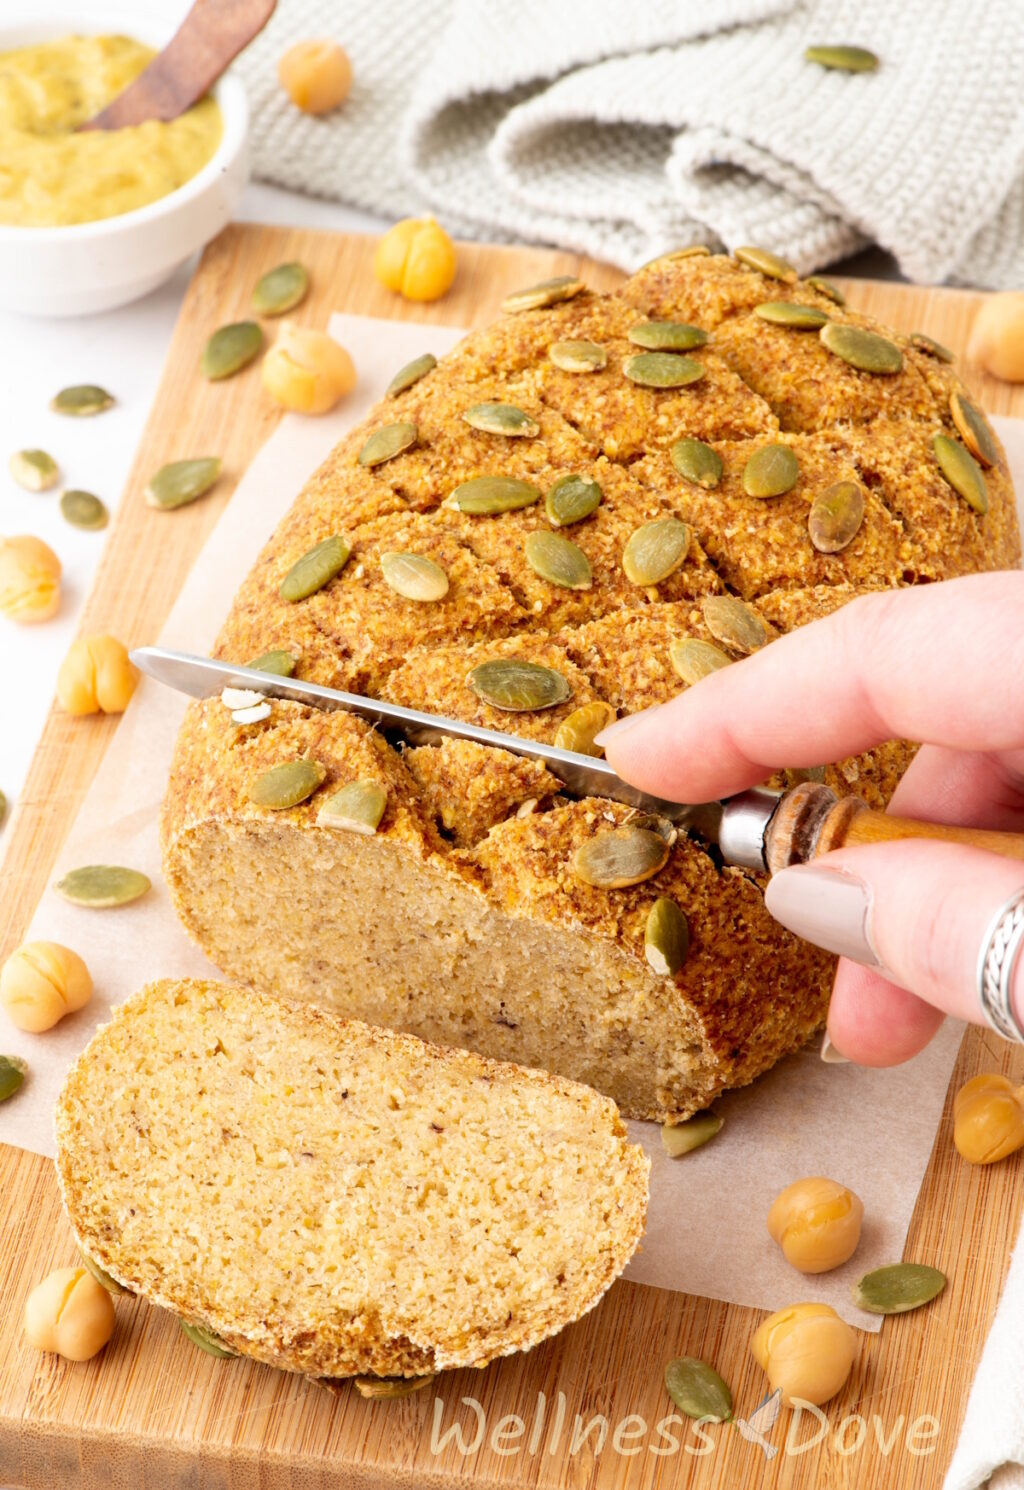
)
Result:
{"points": [[624, 129]]}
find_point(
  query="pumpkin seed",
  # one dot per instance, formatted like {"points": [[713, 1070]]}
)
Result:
{"points": [[962, 472], [843, 59], [414, 576], [390, 1386], [734, 623], [230, 349], [835, 517], [795, 774], [666, 937], [82, 400], [766, 263], [558, 560], [578, 356], [240, 698], [624, 856], [974, 429], [697, 462], [694, 251], [928, 344], [357, 808], [862, 349], [683, 1138], [694, 659], [666, 336], [33, 469], [278, 662], [181, 482], [207, 1340], [254, 714], [12, 1075], [570, 500], [655, 823], [411, 373], [387, 442], [482, 496], [287, 785], [102, 1277], [827, 288], [101, 886], [771, 471], [577, 732], [547, 292], [315, 569], [898, 1287], [662, 370], [82, 510], [501, 419], [517, 686], [655, 550], [698, 1390], [787, 313], [280, 289]]}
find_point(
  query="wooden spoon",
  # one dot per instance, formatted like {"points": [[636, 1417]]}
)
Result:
{"points": [[208, 39]]}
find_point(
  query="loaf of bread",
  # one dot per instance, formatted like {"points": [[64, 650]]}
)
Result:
{"points": [[335, 1199], [464, 917]]}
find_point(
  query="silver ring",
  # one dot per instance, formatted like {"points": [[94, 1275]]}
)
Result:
{"points": [[996, 962]]}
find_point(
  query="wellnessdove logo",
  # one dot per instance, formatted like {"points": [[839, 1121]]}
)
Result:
{"points": [[761, 1421]]}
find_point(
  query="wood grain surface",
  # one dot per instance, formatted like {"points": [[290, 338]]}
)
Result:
{"points": [[153, 1413]]}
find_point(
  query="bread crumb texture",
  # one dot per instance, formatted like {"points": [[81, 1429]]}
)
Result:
{"points": [[336, 1199], [460, 919]]}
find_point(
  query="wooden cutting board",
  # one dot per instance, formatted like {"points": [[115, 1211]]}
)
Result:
{"points": [[151, 1412]]}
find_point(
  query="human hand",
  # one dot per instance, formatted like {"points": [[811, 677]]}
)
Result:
{"points": [[943, 664]]}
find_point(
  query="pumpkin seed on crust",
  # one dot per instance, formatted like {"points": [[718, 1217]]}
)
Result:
{"points": [[356, 808], [578, 356], [576, 733], [484, 496], [666, 336], [546, 292], [662, 370], [766, 263], [414, 576], [501, 419], [518, 686], [974, 429], [621, 857], [387, 442], [734, 623], [827, 288], [694, 659], [836, 516], [962, 472], [925, 343], [558, 560], [287, 784], [789, 313], [411, 373], [666, 937], [655, 550], [315, 569], [697, 462], [863, 349], [570, 500], [771, 471]]}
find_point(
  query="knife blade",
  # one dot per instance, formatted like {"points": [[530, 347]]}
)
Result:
{"points": [[737, 826]]}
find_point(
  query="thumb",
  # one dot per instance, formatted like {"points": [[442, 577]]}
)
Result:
{"points": [[916, 913]]}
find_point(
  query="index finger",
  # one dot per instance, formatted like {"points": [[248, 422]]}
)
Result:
{"points": [[941, 663]]}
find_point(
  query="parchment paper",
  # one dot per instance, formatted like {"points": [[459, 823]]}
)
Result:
{"points": [[872, 1130]]}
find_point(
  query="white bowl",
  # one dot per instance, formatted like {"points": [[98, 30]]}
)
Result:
{"points": [[93, 266]]}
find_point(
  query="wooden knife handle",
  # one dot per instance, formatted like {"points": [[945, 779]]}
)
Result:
{"points": [[811, 820]]}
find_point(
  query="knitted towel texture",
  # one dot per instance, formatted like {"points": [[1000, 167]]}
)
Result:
{"points": [[624, 130]]}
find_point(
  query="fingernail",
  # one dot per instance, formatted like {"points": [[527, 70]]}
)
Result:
{"points": [[622, 725], [830, 1055], [826, 907]]}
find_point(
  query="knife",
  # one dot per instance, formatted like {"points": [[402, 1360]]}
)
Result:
{"points": [[757, 829]]}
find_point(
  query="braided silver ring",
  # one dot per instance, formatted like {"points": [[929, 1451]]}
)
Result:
{"points": [[996, 962]]}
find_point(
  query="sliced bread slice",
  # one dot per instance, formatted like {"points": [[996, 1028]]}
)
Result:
{"points": [[338, 1199]]}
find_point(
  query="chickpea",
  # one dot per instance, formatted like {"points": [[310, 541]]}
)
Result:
{"points": [[415, 258], [997, 336], [29, 579], [316, 75], [307, 371], [816, 1222], [40, 983], [988, 1118], [806, 1350], [69, 1313], [96, 677]]}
